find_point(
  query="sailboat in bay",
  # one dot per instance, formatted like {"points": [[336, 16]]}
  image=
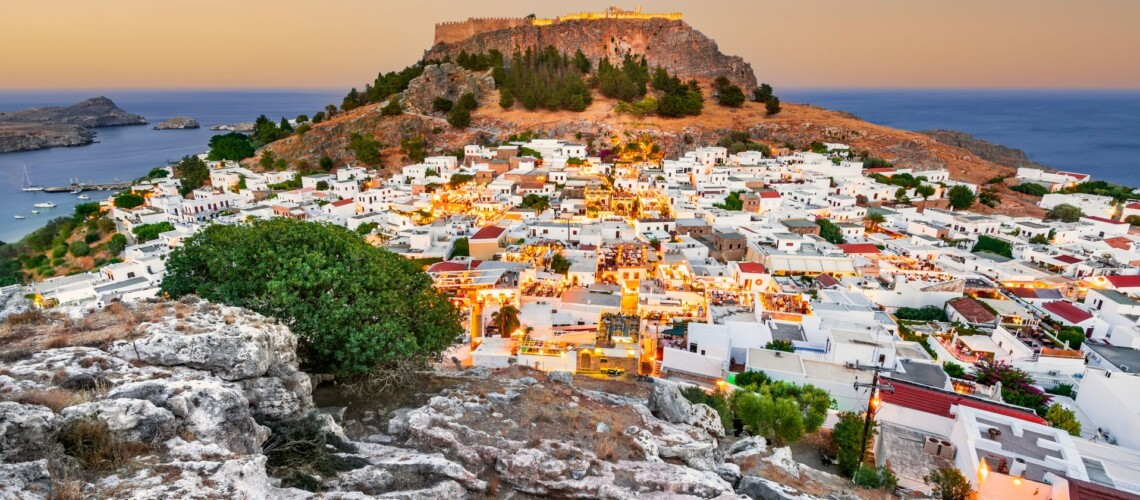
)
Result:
{"points": [[28, 186]]}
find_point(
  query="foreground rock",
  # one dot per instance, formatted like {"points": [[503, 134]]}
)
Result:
{"points": [[208, 402], [177, 123]]}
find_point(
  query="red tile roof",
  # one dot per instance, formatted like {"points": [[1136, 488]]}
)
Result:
{"points": [[1120, 242], [341, 203], [752, 267], [972, 310], [1067, 311], [488, 233], [1074, 175], [859, 248], [826, 280], [447, 266], [1118, 281], [1068, 259], [1104, 220], [1134, 206], [938, 401], [769, 194]]}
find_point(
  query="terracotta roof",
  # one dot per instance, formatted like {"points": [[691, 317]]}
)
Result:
{"points": [[1067, 311], [1074, 175], [768, 194], [752, 267], [826, 280], [1068, 259], [1061, 353], [938, 401], [341, 203], [447, 266], [1120, 242], [1134, 205], [1084, 490], [858, 248], [488, 233], [1119, 281], [972, 310], [1104, 220]]}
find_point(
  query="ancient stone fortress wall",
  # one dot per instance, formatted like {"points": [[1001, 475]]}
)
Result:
{"points": [[457, 31]]}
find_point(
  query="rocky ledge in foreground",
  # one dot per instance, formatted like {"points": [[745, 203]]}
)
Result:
{"points": [[177, 123], [205, 401]]}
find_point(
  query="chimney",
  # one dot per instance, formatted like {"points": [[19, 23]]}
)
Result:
{"points": [[1018, 468]]}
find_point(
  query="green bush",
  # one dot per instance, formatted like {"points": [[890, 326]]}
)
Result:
{"points": [[129, 200], [148, 232], [993, 245], [925, 313], [880, 478], [79, 249], [117, 244], [1030, 189], [354, 306], [59, 251]]}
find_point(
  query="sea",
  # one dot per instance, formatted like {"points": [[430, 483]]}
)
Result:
{"points": [[129, 152], [1095, 132]]}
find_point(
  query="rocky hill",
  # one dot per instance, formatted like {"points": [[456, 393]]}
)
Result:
{"points": [[178, 123], [193, 400], [53, 126], [1002, 155], [669, 43]]}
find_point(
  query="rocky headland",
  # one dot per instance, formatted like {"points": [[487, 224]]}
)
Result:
{"points": [[195, 400], [178, 123], [55, 126]]}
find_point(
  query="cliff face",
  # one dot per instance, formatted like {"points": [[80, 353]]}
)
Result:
{"points": [[31, 136], [671, 44], [1002, 155]]}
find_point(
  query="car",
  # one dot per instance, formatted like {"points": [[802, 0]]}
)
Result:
{"points": [[613, 371]]}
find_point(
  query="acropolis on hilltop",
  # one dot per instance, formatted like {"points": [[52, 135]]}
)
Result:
{"points": [[451, 32]]}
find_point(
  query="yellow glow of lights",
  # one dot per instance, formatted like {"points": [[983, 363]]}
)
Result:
{"points": [[983, 470], [1017, 481]]}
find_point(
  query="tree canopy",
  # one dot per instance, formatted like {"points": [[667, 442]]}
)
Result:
{"points": [[353, 305], [961, 197], [193, 173], [232, 146], [1065, 213], [830, 231]]}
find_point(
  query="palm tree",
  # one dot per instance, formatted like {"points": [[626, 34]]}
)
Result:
{"points": [[873, 220], [507, 319]]}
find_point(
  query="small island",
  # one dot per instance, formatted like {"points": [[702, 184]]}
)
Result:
{"points": [[178, 123]]}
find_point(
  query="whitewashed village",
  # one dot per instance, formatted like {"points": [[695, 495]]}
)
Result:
{"points": [[701, 268]]}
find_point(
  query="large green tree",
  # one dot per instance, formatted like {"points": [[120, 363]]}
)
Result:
{"points": [[193, 173], [232, 146], [961, 197], [354, 306], [1065, 213]]}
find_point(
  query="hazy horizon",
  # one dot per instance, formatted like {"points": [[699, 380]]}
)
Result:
{"points": [[826, 44]]}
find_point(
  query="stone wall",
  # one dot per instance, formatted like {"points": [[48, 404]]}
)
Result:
{"points": [[458, 31]]}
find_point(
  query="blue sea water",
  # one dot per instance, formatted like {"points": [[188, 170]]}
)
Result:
{"points": [[1089, 131], [125, 153]]}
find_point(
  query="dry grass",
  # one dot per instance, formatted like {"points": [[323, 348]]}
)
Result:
{"points": [[91, 443], [55, 399], [66, 489], [58, 342]]}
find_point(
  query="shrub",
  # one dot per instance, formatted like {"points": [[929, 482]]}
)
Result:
{"points": [[129, 200], [1065, 390], [459, 118], [993, 245], [925, 313], [55, 399], [715, 400], [441, 104], [1065, 213], [59, 251], [880, 478], [780, 345], [90, 238], [847, 439], [1030, 189], [148, 232], [327, 283], [1063, 419], [948, 483], [393, 108], [753, 379], [954, 369], [961, 197], [79, 249]]}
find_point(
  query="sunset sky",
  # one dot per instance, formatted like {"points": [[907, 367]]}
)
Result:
{"points": [[55, 44]]}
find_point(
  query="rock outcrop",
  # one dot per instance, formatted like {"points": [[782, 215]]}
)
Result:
{"points": [[1002, 155], [178, 123], [56, 126], [445, 80], [671, 44], [207, 398]]}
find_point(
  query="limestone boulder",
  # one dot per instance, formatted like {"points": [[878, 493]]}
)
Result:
{"points": [[26, 431]]}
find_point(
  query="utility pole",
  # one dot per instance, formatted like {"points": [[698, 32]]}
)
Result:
{"points": [[871, 402]]}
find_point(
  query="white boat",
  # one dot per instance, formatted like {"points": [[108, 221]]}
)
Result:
{"points": [[35, 211], [28, 186], [76, 191], [46, 204], [83, 197], [19, 216]]}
